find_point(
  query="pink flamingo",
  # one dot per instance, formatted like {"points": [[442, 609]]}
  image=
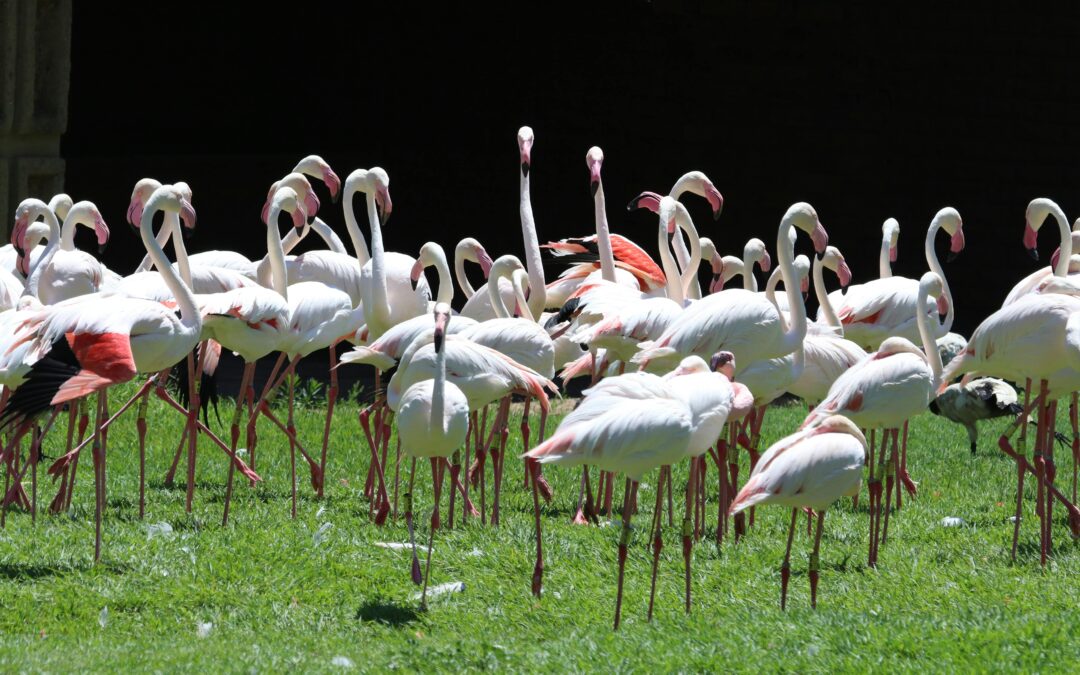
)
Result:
{"points": [[809, 469]]}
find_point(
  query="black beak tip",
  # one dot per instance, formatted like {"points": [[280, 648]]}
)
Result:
{"points": [[525, 169], [633, 205], [593, 187], [101, 248], [438, 341], [952, 256], [717, 212], [413, 283], [334, 199], [820, 255], [187, 233], [1033, 252]]}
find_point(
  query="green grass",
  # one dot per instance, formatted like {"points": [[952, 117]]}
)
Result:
{"points": [[284, 594]]}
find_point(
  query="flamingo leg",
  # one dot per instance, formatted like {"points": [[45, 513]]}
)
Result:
{"points": [[892, 469], [658, 542], [720, 457], [579, 513], [57, 504], [234, 434], [84, 424], [687, 528], [538, 570], [380, 517], [525, 439], [99, 478], [331, 400], [397, 472], [1040, 472], [436, 474], [785, 568], [497, 460], [624, 542], [1074, 419], [815, 560], [195, 373], [903, 472], [417, 578]]}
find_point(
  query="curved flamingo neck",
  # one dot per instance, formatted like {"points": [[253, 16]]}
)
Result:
{"points": [[682, 255], [498, 272], [537, 285], [274, 251], [357, 237], [517, 278], [189, 314], [690, 272], [785, 249], [45, 259], [671, 271], [884, 264], [929, 344], [603, 235], [67, 232], [459, 272], [749, 280], [935, 267], [445, 292], [170, 224], [1062, 268], [319, 227], [823, 297]]}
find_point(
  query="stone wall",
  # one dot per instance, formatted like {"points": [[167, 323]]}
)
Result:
{"points": [[35, 69]]}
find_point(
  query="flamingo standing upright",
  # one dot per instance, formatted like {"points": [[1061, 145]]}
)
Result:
{"points": [[809, 469]]}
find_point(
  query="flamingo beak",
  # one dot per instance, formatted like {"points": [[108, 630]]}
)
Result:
{"points": [[414, 274], [820, 239], [441, 319], [717, 283], [526, 158], [485, 261], [645, 200], [23, 262], [716, 201], [187, 214], [311, 202], [804, 286], [333, 183], [942, 304], [892, 254], [844, 273], [594, 178], [721, 359], [1054, 257], [956, 244], [299, 217], [134, 211], [102, 231], [383, 204], [264, 215], [766, 262], [1030, 241]]}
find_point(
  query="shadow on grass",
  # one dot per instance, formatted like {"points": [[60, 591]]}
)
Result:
{"points": [[34, 571], [387, 612]]}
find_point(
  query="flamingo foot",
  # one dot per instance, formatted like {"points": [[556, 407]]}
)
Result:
{"points": [[477, 467], [579, 518], [910, 486], [382, 513]]}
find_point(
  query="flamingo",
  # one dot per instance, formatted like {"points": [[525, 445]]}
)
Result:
{"points": [[469, 249], [697, 183], [38, 231], [890, 236], [81, 347], [884, 390], [319, 317], [1038, 210], [809, 469], [883, 308], [71, 272], [737, 320], [1033, 337], [433, 422]]}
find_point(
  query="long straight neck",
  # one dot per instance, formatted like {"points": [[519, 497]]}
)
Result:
{"points": [[380, 313], [603, 235], [935, 266], [929, 344], [170, 224], [276, 253], [357, 237], [189, 314], [45, 259], [446, 284], [785, 248], [883, 263], [67, 234], [181, 255], [823, 298], [459, 272], [438, 388], [537, 285], [1062, 268]]}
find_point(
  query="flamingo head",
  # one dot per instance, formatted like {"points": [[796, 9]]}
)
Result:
{"points": [[380, 182], [442, 320], [890, 230], [525, 143], [429, 253], [286, 199], [61, 204], [645, 200], [930, 285], [482, 258], [594, 159], [834, 260], [27, 211], [716, 200], [838, 424], [667, 211], [87, 213], [1034, 217], [316, 167], [304, 192], [949, 220], [804, 217], [143, 189], [724, 363], [755, 252]]}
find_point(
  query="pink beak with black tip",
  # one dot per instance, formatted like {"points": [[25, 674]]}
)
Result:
{"points": [[956, 244], [484, 260], [1031, 241], [645, 200], [844, 273], [716, 200], [820, 239]]}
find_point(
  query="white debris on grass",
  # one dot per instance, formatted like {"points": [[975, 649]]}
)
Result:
{"points": [[103, 616], [399, 546], [442, 589], [162, 529], [320, 534], [952, 521], [342, 662], [203, 629]]}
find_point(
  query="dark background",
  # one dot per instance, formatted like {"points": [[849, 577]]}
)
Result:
{"points": [[865, 112]]}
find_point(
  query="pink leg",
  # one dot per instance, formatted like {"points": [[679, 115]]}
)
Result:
{"points": [[624, 542], [234, 433]]}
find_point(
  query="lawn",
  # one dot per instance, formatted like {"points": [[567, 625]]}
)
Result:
{"points": [[179, 592]]}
